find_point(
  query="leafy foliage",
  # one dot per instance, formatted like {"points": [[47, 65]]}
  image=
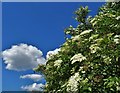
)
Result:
{"points": [[89, 61]]}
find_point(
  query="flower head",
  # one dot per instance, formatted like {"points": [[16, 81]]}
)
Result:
{"points": [[94, 48], [117, 39], [85, 32], [118, 17], [58, 63], [73, 83], [77, 57]]}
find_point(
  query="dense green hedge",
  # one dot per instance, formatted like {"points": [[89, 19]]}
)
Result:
{"points": [[89, 61]]}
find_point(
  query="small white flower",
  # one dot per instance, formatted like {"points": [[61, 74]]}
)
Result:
{"points": [[99, 40], [94, 23], [59, 90], [85, 32], [82, 71], [58, 63], [93, 20], [117, 39], [94, 48], [77, 57], [74, 38], [85, 40], [81, 68], [117, 36], [118, 17], [93, 37]]}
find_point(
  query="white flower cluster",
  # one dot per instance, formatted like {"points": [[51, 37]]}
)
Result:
{"points": [[77, 57], [93, 37], [99, 40], [94, 48], [73, 83], [93, 21], [50, 54], [118, 17], [58, 63], [117, 39], [74, 38], [85, 32]]}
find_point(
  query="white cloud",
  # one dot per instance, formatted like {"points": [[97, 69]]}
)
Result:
{"points": [[22, 57], [35, 77], [34, 87], [50, 54]]}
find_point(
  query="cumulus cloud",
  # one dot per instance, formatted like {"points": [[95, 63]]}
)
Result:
{"points": [[34, 87], [50, 54], [22, 57], [35, 77]]}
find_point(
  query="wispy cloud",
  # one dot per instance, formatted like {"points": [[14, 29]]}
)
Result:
{"points": [[22, 57], [34, 87], [35, 77]]}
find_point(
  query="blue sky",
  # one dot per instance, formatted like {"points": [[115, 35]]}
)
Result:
{"points": [[39, 24]]}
